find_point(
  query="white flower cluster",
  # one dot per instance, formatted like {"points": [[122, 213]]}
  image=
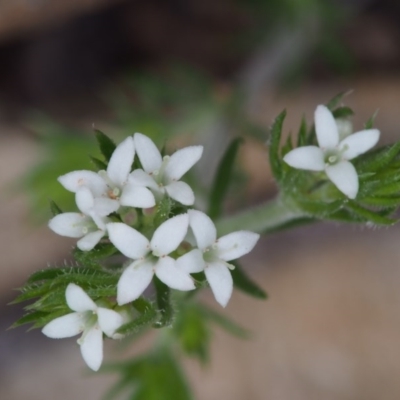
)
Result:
{"points": [[100, 194], [333, 155]]}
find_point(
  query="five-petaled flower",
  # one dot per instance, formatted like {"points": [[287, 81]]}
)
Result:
{"points": [[212, 255], [150, 257], [333, 154], [88, 318], [161, 175]]}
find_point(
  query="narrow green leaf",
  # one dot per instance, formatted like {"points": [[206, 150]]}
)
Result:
{"points": [[100, 165], [388, 190], [28, 318], [55, 210], [192, 330], [381, 201], [224, 322], [245, 284], [274, 144], [377, 159], [142, 321], [107, 146], [342, 112], [370, 123], [302, 134], [335, 101], [288, 146], [222, 179], [164, 304], [369, 215], [91, 258]]}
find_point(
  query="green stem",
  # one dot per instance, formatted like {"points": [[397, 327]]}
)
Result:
{"points": [[267, 217]]}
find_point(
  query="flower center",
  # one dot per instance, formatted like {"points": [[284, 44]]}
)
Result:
{"points": [[158, 174], [333, 156], [114, 191], [210, 254]]}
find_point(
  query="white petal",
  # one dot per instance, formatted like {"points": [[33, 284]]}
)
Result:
{"points": [[69, 224], [140, 178], [104, 206], [76, 179], [84, 200], [147, 152], [359, 142], [191, 262], [89, 241], [310, 158], [181, 192], [134, 280], [236, 244], [169, 235], [181, 161], [78, 300], [137, 196], [326, 128], [120, 163], [92, 348], [175, 278], [109, 320], [220, 280], [127, 240], [203, 229], [66, 326], [345, 178]]}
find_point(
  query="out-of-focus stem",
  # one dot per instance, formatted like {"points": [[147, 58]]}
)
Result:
{"points": [[266, 217]]}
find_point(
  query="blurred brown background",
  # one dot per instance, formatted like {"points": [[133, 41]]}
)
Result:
{"points": [[331, 327]]}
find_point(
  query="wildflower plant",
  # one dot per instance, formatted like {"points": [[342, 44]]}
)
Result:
{"points": [[144, 251]]}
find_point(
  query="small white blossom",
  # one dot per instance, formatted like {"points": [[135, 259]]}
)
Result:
{"points": [[88, 319], [150, 257], [333, 154], [90, 224], [161, 175], [112, 184], [212, 254]]}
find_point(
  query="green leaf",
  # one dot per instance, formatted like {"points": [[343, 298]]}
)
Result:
{"points": [[274, 144], [369, 215], [288, 146], [145, 319], [370, 123], [107, 146], [55, 210], [391, 189], [154, 376], [192, 331], [91, 258], [242, 282], [224, 322], [223, 178], [342, 112], [378, 159], [381, 201], [302, 134], [164, 304], [100, 165], [335, 101]]}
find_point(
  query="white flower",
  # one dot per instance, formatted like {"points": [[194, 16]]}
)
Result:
{"points": [[150, 257], [113, 184], [87, 318], [333, 155], [162, 175], [212, 254], [89, 224]]}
